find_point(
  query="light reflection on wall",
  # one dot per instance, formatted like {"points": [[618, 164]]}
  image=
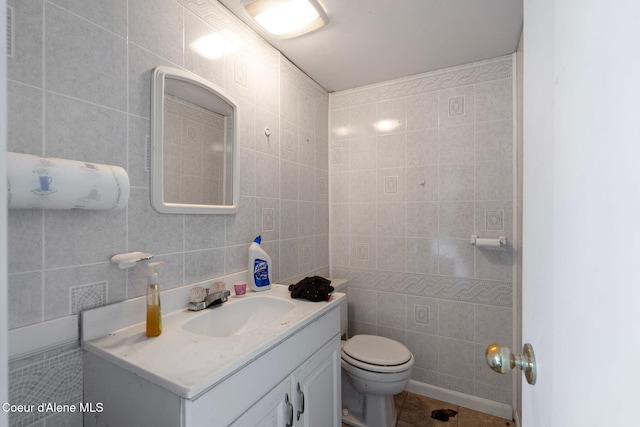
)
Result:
{"points": [[387, 125], [214, 45]]}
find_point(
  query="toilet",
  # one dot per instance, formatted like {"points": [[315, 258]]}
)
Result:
{"points": [[374, 368]]}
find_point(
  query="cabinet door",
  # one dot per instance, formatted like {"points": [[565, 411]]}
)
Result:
{"points": [[275, 409], [316, 388]]}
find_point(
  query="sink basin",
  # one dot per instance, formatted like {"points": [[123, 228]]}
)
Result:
{"points": [[239, 316]]}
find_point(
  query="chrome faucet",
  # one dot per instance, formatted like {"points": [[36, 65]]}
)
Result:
{"points": [[211, 299]]}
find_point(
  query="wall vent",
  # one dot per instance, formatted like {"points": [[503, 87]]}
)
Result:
{"points": [[10, 36]]}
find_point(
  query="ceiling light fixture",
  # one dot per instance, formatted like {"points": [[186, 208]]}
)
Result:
{"points": [[287, 18]]}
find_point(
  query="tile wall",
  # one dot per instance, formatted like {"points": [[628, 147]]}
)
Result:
{"points": [[417, 166], [79, 85]]}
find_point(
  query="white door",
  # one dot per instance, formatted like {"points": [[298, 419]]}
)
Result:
{"points": [[581, 290]]}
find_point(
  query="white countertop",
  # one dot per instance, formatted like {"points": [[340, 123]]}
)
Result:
{"points": [[187, 363]]}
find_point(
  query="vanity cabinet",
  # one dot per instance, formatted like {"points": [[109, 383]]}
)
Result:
{"points": [[309, 397], [297, 377]]}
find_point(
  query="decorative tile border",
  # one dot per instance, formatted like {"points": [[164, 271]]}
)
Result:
{"points": [[428, 82], [223, 20], [487, 292], [57, 379], [84, 297]]}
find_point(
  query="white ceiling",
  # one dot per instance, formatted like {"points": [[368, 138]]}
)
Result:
{"points": [[370, 41]]}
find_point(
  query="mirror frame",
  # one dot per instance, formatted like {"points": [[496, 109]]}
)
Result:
{"points": [[159, 75]]}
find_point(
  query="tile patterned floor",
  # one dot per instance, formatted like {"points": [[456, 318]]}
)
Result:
{"points": [[415, 411]]}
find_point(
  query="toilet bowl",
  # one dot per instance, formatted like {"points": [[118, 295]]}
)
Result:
{"points": [[374, 368]]}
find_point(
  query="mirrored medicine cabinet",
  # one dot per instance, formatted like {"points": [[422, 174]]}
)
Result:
{"points": [[194, 156]]}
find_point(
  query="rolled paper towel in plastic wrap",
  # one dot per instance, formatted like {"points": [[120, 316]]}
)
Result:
{"points": [[46, 183]]}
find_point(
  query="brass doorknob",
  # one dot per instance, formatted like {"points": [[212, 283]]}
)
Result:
{"points": [[501, 360]]}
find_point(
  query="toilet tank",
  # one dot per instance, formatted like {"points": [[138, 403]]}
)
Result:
{"points": [[340, 285]]}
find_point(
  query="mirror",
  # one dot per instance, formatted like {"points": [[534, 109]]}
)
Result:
{"points": [[193, 145]]}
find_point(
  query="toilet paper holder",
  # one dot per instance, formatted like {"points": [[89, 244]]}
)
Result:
{"points": [[499, 242]]}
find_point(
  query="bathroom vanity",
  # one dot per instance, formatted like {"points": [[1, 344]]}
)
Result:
{"points": [[263, 359]]}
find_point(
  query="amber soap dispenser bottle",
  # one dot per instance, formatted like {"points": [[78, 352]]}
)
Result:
{"points": [[154, 314]]}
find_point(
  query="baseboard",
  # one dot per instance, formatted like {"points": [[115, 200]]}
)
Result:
{"points": [[461, 399], [516, 418]]}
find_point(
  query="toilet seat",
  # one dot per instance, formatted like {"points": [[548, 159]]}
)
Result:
{"points": [[377, 354]]}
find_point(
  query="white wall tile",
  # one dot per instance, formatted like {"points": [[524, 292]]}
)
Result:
{"points": [[422, 184], [455, 358], [362, 219], [422, 315], [289, 259], [391, 116], [79, 237], [288, 180], [392, 185], [363, 251], [494, 140], [392, 253], [456, 182], [391, 310], [422, 255], [141, 63], [203, 232], [456, 219], [110, 15], [74, 60], [494, 180], [455, 258], [24, 299], [391, 150], [268, 218], [456, 106], [307, 183], [271, 144], [201, 265], [362, 121], [207, 64], [494, 100], [24, 119], [456, 144], [362, 305], [424, 348], [422, 147], [456, 320], [362, 153], [422, 219], [26, 65], [422, 111], [391, 219], [306, 218], [157, 25], [81, 131]]}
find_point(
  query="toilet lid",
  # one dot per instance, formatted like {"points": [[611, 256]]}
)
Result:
{"points": [[375, 350]]}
